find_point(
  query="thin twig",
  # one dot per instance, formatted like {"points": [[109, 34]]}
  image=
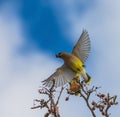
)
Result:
{"points": [[87, 102], [59, 95]]}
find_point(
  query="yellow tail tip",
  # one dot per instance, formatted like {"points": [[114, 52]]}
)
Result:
{"points": [[89, 81]]}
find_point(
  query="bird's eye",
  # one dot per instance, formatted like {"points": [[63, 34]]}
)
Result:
{"points": [[60, 53]]}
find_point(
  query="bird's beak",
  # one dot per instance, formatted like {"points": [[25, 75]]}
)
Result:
{"points": [[57, 55]]}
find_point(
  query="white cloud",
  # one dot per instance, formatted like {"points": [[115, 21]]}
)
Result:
{"points": [[10, 35], [20, 76]]}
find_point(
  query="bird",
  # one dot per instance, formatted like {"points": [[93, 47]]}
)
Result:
{"points": [[73, 66]]}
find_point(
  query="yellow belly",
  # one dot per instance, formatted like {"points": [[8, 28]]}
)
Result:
{"points": [[75, 64]]}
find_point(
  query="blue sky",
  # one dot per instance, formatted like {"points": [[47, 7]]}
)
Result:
{"points": [[43, 27], [32, 32]]}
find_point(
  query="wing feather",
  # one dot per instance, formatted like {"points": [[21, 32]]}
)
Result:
{"points": [[62, 76], [82, 47]]}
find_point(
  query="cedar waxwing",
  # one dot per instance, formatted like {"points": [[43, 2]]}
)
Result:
{"points": [[73, 67]]}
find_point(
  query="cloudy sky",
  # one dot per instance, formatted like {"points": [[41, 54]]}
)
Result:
{"points": [[33, 31]]}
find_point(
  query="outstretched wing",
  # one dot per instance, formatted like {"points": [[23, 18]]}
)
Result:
{"points": [[82, 47], [62, 76]]}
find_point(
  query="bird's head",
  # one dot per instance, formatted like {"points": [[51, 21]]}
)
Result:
{"points": [[60, 55]]}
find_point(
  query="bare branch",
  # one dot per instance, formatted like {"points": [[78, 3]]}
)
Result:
{"points": [[103, 104], [59, 95], [50, 103]]}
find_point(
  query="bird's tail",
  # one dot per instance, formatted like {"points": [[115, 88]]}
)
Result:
{"points": [[86, 77], [89, 79]]}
